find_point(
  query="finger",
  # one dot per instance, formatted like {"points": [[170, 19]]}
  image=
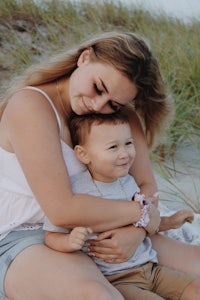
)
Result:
{"points": [[100, 250], [76, 246], [79, 239], [79, 236], [105, 235], [102, 243], [84, 230], [81, 233], [110, 259], [103, 247], [190, 220], [89, 230], [77, 231]]}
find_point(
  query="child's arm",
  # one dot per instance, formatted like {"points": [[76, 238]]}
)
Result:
{"points": [[67, 242], [176, 220]]}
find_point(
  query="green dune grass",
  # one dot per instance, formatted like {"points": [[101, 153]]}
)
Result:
{"points": [[30, 31]]}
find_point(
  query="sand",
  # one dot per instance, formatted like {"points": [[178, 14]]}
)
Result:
{"points": [[179, 187], [178, 179]]}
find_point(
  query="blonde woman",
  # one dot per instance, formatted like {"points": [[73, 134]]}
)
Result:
{"points": [[109, 72]]}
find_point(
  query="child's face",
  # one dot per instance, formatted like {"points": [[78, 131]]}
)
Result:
{"points": [[110, 151]]}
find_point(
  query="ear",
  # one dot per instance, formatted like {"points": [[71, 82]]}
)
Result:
{"points": [[84, 57], [81, 154]]}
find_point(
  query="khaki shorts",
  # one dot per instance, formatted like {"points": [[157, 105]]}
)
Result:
{"points": [[151, 281]]}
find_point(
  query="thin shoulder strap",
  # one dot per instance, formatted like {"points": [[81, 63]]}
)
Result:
{"points": [[48, 98]]}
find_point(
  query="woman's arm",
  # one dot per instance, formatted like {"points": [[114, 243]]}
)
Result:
{"points": [[141, 169], [33, 134]]}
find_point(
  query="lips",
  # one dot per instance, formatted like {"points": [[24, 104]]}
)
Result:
{"points": [[86, 108], [124, 165]]}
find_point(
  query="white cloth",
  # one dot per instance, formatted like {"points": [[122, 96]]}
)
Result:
{"points": [[18, 206], [187, 233]]}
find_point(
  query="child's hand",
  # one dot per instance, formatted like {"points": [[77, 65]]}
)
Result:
{"points": [[78, 236], [180, 217]]}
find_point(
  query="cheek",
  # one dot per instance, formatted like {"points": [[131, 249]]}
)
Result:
{"points": [[133, 155], [72, 84], [82, 80], [75, 79], [104, 161]]}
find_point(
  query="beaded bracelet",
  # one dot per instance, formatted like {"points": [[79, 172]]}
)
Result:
{"points": [[145, 207]]}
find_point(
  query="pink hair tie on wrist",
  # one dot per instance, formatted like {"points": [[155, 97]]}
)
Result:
{"points": [[145, 207], [140, 198]]}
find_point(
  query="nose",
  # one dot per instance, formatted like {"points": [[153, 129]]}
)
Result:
{"points": [[98, 103], [123, 153]]}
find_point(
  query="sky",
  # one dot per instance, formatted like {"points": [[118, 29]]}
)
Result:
{"points": [[184, 10]]}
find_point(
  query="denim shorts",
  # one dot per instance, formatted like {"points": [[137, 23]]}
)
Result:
{"points": [[14, 243]]}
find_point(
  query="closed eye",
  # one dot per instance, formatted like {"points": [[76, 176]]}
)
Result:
{"points": [[114, 106], [98, 91]]}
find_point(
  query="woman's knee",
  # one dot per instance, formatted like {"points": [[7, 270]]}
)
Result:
{"points": [[99, 291]]}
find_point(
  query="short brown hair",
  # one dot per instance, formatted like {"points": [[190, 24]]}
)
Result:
{"points": [[80, 125]]}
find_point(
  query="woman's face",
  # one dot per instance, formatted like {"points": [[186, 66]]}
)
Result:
{"points": [[97, 87]]}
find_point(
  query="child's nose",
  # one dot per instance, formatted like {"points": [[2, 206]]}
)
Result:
{"points": [[123, 153]]}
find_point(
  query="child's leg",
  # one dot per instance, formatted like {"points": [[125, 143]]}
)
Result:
{"points": [[174, 285], [177, 255], [131, 292], [192, 291], [135, 283]]}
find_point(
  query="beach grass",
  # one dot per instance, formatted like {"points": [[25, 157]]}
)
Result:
{"points": [[31, 30]]}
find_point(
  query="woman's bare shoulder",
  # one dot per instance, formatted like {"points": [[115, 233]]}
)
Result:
{"points": [[28, 114]]}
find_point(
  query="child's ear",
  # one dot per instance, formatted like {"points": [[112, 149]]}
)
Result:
{"points": [[81, 154]]}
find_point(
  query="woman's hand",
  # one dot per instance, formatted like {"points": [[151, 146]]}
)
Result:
{"points": [[117, 245]]}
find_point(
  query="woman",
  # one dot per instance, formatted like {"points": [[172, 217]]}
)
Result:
{"points": [[107, 73]]}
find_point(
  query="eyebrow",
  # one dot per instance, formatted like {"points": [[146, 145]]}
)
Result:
{"points": [[104, 86]]}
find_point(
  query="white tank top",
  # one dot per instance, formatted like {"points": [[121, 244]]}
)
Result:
{"points": [[19, 210]]}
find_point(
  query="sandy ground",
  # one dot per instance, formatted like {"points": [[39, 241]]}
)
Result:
{"points": [[179, 180]]}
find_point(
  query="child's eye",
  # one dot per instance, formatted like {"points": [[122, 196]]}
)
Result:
{"points": [[129, 143], [113, 147], [99, 92], [115, 107]]}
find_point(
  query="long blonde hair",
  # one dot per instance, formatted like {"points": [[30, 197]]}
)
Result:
{"points": [[129, 54]]}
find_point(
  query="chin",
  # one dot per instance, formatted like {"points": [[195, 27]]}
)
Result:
{"points": [[122, 174]]}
